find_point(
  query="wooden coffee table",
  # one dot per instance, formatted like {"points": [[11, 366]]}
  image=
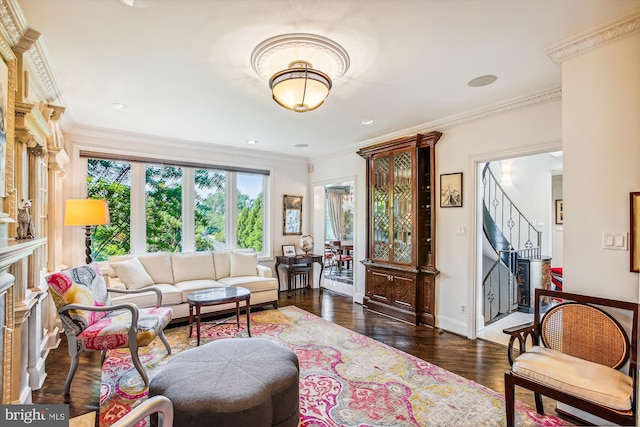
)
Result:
{"points": [[217, 296]]}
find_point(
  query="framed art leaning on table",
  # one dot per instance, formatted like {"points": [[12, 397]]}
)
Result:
{"points": [[289, 250]]}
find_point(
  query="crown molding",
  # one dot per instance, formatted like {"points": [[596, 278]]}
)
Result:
{"points": [[19, 34], [458, 119], [609, 31], [159, 142]]}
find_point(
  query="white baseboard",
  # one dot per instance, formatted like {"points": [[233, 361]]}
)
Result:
{"points": [[452, 325]]}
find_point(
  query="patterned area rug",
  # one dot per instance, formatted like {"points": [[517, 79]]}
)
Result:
{"points": [[346, 379]]}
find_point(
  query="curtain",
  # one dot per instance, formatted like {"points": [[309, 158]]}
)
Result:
{"points": [[336, 216]]}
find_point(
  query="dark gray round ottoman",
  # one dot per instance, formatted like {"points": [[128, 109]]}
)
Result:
{"points": [[244, 382]]}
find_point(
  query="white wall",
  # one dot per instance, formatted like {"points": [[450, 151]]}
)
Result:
{"points": [[601, 135], [289, 175]]}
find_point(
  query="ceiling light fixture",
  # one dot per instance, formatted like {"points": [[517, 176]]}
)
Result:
{"points": [[286, 61], [300, 88], [366, 121]]}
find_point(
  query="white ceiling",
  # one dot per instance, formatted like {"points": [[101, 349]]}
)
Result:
{"points": [[182, 67]]}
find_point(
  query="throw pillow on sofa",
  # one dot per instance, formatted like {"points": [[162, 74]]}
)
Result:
{"points": [[243, 264], [132, 273]]}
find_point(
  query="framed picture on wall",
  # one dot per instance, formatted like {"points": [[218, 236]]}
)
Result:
{"points": [[634, 239], [559, 212], [292, 215], [451, 190]]}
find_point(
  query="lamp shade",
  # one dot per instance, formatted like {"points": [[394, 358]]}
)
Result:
{"points": [[85, 212], [300, 88]]}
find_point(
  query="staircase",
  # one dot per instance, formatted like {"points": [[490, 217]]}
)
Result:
{"points": [[509, 237]]}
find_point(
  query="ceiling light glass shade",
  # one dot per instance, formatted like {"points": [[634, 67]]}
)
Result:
{"points": [[300, 88]]}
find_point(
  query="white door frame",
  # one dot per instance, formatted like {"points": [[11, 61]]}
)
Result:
{"points": [[318, 227]]}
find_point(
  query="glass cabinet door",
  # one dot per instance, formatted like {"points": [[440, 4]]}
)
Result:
{"points": [[391, 214], [402, 201], [380, 207]]}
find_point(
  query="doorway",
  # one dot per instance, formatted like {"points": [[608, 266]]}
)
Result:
{"points": [[516, 236], [334, 222]]}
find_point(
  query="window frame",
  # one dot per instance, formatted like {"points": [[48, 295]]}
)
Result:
{"points": [[138, 241]]}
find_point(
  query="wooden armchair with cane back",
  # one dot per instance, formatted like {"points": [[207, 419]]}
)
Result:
{"points": [[576, 353]]}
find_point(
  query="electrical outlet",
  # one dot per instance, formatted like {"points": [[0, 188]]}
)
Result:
{"points": [[463, 309]]}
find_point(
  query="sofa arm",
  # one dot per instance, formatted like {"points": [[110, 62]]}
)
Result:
{"points": [[264, 271]]}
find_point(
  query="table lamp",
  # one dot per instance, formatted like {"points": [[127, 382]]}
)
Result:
{"points": [[86, 213]]}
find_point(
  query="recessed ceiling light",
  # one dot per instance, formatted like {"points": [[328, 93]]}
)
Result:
{"points": [[252, 141], [482, 80], [301, 145], [366, 121], [117, 106]]}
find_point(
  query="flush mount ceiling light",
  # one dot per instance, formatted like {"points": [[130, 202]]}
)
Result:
{"points": [[300, 68]]}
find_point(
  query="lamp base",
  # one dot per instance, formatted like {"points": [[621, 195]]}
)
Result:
{"points": [[87, 242]]}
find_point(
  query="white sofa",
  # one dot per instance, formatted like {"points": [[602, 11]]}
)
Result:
{"points": [[179, 274]]}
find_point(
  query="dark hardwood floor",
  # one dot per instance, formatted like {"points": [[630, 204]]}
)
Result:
{"points": [[481, 361]]}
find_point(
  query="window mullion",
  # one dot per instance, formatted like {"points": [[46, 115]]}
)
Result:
{"points": [[188, 210], [138, 217], [231, 214]]}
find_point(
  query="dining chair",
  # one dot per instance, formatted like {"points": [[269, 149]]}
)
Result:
{"points": [[339, 258], [92, 323]]}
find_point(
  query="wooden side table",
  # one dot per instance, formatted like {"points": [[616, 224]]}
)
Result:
{"points": [[217, 296]]}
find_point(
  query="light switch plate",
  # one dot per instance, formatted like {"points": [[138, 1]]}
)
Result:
{"points": [[614, 241]]}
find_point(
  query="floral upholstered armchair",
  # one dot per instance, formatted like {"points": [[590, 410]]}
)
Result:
{"points": [[92, 323]]}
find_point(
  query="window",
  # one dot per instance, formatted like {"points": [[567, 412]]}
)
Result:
{"points": [[210, 208], [111, 180], [163, 208], [181, 208]]}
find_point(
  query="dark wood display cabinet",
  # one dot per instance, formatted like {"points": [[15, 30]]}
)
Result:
{"points": [[400, 262]]}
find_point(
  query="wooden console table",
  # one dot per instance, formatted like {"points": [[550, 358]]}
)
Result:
{"points": [[300, 259]]}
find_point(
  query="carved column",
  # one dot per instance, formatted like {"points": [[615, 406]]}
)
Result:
{"points": [[6, 333], [14, 268]]}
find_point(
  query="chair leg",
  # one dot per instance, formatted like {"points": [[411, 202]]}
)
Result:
{"points": [[509, 399], [539, 406], [133, 348], [73, 367], [163, 338]]}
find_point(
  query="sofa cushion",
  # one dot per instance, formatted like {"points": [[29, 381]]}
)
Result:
{"points": [[590, 381], [170, 296], [253, 283], [222, 262], [132, 273], [243, 264], [192, 266], [157, 264], [189, 286]]}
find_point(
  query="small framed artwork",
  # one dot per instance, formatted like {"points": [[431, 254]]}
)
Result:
{"points": [[292, 215], [634, 240], [289, 250], [559, 212], [451, 190]]}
